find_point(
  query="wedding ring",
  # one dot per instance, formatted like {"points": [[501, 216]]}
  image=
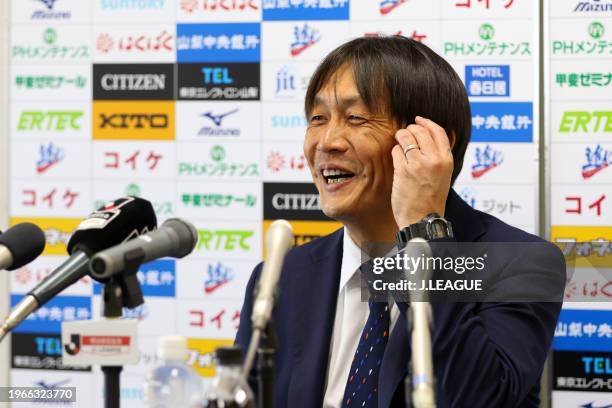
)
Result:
{"points": [[409, 148]]}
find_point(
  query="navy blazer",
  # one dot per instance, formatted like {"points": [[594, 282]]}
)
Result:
{"points": [[485, 354]]}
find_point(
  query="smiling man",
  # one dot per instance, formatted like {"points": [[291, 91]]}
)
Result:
{"points": [[388, 126]]}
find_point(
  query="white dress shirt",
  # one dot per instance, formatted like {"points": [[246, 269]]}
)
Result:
{"points": [[351, 316]]}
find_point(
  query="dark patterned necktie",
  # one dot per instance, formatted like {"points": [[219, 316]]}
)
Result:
{"points": [[362, 383]]}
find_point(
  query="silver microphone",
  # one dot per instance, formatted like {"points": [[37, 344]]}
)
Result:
{"points": [[279, 239], [423, 387]]}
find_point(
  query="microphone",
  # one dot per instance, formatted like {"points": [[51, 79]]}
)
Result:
{"points": [[176, 238], [423, 389], [20, 245], [279, 239], [114, 222]]}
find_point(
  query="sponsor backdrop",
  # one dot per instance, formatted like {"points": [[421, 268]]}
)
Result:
{"points": [[580, 151], [196, 105]]}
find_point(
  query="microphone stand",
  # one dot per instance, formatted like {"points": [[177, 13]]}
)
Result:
{"points": [[419, 384], [265, 367], [122, 290]]}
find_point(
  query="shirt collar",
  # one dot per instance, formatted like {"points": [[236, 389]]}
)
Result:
{"points": [[351, 259]]}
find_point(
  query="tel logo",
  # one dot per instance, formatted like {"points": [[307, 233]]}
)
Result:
{"points": [[217, 76], [486, 160], [597, 159], [304, 37], [387, 6]]}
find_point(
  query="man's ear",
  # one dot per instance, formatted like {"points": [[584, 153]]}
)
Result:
{"points": [[452, 138]]}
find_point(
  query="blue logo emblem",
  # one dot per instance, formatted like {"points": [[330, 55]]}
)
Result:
{"points": [[48, 156], [48, 3], [304, 37], [217, 120], [218, 276], [285, 82], [229, 42], [597, 159], [502, 122], [486, 160], [487, 80], [305, 10]]}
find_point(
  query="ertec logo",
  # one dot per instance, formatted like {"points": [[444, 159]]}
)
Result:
{"points": [[584, 121], [142, 120], [49, 120]]}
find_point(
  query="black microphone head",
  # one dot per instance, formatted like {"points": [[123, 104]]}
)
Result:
{"points": [[112, 224], [186, 233], [25, 241]]}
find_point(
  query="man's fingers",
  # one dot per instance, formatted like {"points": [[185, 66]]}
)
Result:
{"points": [[438, 133], [406, 140], [424, 139]]}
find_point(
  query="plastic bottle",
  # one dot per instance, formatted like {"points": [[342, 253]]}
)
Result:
{"points": [[228, 388], [172, 384]]}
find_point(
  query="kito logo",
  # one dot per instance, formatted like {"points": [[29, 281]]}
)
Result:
{"points": [[217, 120], [49, 120], [593, 5], [143, 120], [137, 121]]}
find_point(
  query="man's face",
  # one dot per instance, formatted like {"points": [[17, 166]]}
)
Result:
{"points": [[348, 149]]}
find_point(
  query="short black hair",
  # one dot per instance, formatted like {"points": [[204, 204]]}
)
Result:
{"points": [[408, 79]]}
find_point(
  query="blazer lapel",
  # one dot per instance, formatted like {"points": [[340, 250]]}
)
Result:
{"points": [[467, 227], [394, 366], [315, 292]]}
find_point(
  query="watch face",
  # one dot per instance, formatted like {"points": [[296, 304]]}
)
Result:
{"points": [[437, 228]]}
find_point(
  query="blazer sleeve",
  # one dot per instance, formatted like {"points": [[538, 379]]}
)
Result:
{"points": [[492, 354], [243, 337]]}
